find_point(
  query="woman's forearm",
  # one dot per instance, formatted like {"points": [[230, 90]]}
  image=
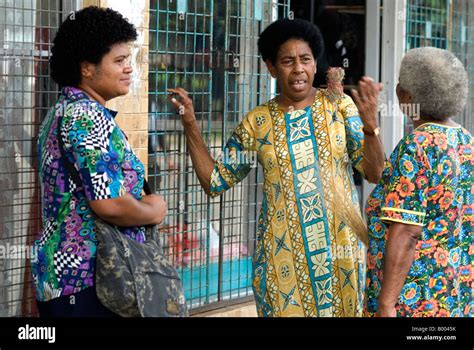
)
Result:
{"points": [[399, 255], [374, 158], [366, 100], [202, 161], [200, 156], [126, 211]]}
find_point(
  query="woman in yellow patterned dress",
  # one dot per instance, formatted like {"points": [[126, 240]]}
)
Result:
{"points": [[307, 260]]}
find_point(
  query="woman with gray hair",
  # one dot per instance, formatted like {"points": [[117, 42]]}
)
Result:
{"points": [[420, 215]]}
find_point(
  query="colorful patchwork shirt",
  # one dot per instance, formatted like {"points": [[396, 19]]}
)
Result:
{"points": [[65, 249]]}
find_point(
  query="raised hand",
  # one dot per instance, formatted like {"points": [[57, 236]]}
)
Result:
{"points": [[367, 101], [180, 99]]}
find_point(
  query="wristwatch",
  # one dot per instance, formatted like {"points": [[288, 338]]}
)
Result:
{"points": [[375, 132]]}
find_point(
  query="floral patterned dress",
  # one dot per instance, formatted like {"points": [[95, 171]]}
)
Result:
{"points": [[429, 182]]}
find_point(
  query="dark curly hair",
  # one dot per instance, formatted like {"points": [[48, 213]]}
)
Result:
{"points": [[86, 36], [282, 30]]}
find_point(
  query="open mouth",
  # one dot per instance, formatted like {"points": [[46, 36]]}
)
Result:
{"points": [[298, 84]]}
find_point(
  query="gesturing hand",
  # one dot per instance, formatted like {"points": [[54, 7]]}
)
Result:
{"points": [[366, 100], [183, 103]]}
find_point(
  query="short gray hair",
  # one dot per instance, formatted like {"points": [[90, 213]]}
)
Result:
{"points": [[436, 80]]}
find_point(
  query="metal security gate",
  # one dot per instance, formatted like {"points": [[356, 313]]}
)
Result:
{"points": [[446, 24], [208, 48], [26, 93]]}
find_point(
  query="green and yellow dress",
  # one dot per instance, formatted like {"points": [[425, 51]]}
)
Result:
{"points": [[308, 260]]}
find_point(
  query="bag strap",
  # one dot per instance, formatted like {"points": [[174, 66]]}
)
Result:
{"points": [[70, 167]]}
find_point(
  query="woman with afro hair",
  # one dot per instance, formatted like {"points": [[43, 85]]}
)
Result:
{"points": [[308, 259], [91, 63]]}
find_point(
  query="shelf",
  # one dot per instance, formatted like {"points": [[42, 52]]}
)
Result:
{"points": [[355, 9]]}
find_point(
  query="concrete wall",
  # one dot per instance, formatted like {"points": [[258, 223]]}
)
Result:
{"points": [[240, 310]]}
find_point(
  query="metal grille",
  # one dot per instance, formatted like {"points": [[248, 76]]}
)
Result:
{"points": [[446, 24], [427, 23], [26, 93], [461, 35], [208, 48]]}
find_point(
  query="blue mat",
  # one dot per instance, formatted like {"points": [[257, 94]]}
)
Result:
{"points": [[203, 280]]}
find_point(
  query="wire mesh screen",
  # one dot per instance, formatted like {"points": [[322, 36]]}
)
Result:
{"points": [[427, 23], [461, 34], [208, 48], [26, 93], [445, 24]]}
